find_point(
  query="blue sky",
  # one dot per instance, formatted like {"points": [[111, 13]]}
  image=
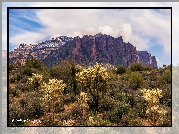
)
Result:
{"points": [[148, 30]]}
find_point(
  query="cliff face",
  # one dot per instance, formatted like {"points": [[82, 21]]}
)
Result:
{"points": [[146, 59], [86, 51]]}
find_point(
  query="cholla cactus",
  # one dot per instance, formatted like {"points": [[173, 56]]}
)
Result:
{"points": [[94, 80], [92, 77], [52, 92], [152, 96], [83, 102], [154, 111], [53, 89], [83, 98], [36, 81]]}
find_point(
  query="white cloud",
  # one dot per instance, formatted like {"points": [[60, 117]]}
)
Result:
{"points": [[125, 32], [159, 63], [136, 26], [26, 37], [135, 23], [74, 21], [90, 31]]}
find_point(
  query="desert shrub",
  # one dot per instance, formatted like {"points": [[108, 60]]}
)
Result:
{"points": [[77, 111], [15, 92], [166, 97], [136, 67], [66, 71], [121, 70], [59, 107], [111, 116], [97, 120], [14, 78], [106, 104], [130, 120], [33, 63], [53, 92], [155, 112], [122, 108], [115, 115], [130, 100], [141, 108], [35, 82], [47, 120], [69, 98], [135, 80], [33, 107], [147, 68], [64, 116], [28, 71], [94, 81], [166, 76], [119, 96], [14, 115]]}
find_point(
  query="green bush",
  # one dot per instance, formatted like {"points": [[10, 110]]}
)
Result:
{"points": [[136, 67], [135, 80], [122, 108], [166, 99], [66, 71], [166, 77], [28, 71], [121, 70]]}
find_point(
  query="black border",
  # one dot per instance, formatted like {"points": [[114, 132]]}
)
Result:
{"points": [[8, 8]]}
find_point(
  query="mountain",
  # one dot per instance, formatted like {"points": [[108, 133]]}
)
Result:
{"points": [[86, 51]]}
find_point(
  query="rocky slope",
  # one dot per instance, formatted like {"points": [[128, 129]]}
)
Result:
{"points": [[86, 51]]}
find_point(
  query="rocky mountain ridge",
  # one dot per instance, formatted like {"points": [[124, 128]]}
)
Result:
{"points": [[86, 51]]}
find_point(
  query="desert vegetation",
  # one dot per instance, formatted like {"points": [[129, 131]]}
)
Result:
{"points": [[101, 95]]}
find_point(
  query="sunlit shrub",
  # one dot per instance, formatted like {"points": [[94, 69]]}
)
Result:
{"points": [[94, 81], [154, 111]]}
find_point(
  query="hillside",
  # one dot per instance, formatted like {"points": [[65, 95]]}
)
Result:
{"points": [[101, 95]]}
